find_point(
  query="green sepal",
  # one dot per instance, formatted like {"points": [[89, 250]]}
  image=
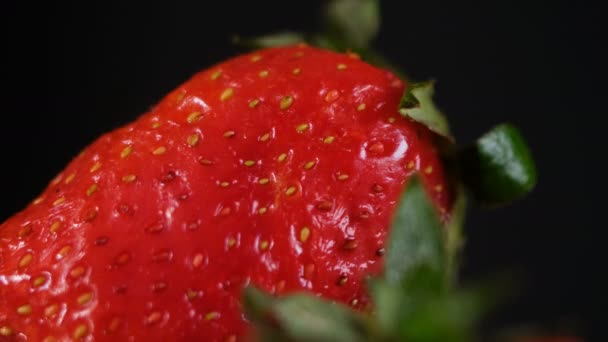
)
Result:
{"points": [[389, 306], [499, 168], [416, 238], [447, 317], [302, 318], [454, 238], [396, 303], [352, 24], [417, 104], [270, 40]]}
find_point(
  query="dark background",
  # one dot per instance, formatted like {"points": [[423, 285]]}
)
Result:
{"points": [[73, 71]]}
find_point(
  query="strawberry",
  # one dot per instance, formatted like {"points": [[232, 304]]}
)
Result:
{"points": [[280, 168]]}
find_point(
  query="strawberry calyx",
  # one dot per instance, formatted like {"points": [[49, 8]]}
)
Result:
{"points": [[417, 104]]}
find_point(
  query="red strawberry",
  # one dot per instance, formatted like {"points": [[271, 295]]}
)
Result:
{"points": [[279, 168]]}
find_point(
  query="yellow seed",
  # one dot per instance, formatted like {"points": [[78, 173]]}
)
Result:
{"points": [[263, 181], [282, 157], [91, 190], [299, 54], [193, 140], [296, 71], [341, 66], [262, 210], [49, 339], [286, 102], [25, 231], [231, 242], [329, 139], [310, 165], [301, 128], [59, 201], [227, 94], [194, 117], [343, 177], [84, 298], [256, 58], [123, 258], [254, 103], [77, 272], [180, 97], [24, 309], [156, 124], [95, 167], [438, 188], [216, 74], [6, 331], [249, 163], [205, 162], [332, 96], [428, 170], [263, 73], [224, 184], [265, 137], [361, 107], [64, 251], [353, 55], [304, 234], [191, 294], [225, 211], [38, 200], [126, 151], [57, 179], [154, 317], [391, 119], [229, 134], [290, 191], [128, 178], [69, 178], [159, 150], [39, 281], [26, 260], [55, 226], [197, 261], [212, 316], [410, 165], [80, 332], [263, 245], [51, 310]]}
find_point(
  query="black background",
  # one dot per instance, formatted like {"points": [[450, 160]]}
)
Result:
{"points": [[73, 71]]}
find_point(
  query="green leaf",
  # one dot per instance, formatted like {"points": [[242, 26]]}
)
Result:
{"points": [[417, 104], [353, 23], [390, 306], [270, 40], [499, 168], [396, 303], [303, 318], [449, 317], [454, 233], [416, 238]]}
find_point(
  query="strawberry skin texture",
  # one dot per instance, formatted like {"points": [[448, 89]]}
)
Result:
{"points": [[280, 168]]}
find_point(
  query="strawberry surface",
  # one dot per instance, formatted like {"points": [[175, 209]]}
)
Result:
{"points": [[279, 168]]}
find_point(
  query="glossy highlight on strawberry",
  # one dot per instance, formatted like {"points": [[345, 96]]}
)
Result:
{"points": [[279, 168]]}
